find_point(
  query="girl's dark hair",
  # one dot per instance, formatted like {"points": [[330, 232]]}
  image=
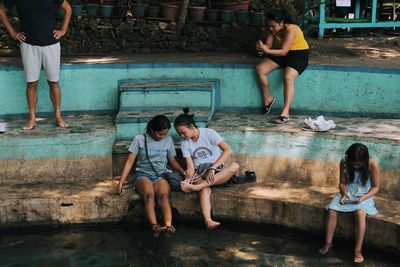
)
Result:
{"points": [[185, 119], [158, 123], [357, 153], [279, 15]]}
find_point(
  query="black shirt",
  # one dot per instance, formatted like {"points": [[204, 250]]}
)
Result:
{"points": [[37, 19]]}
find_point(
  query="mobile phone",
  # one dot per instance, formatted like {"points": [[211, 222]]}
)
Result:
{"points": [[351, 201]]}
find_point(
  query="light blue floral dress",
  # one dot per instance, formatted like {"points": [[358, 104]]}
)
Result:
{"points": [[354, 191]]}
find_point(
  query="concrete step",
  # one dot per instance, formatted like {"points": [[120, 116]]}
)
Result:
{"points": [[156, 94], [298, 207], [49, 154], [65, 203], [131, 123]]}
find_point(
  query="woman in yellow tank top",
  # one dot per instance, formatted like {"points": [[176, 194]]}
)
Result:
{"points": [[285, 47]]}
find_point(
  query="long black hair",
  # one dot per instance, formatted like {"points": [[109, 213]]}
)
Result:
{"points": [[185, 119], [357, 153], [279, 15], [158, 123]]}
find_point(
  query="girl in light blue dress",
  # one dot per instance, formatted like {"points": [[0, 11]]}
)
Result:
{"points": [[359, 182]]}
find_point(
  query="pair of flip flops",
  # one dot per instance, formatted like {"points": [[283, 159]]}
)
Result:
{"points": [[279, 119]]}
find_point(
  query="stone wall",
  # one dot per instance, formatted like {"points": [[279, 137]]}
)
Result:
{"points": [[112, 35]]}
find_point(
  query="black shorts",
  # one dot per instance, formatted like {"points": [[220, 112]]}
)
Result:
{"points": [[296, 59]]}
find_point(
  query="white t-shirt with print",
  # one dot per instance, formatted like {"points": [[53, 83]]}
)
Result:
{"points": [[205, 150]]}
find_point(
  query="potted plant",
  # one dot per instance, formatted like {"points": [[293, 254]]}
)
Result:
{"points": [[92, 8], [154, 9], [77, 8], [170, 9], [196, 10], [241, 16], [106, 7], [230, 4], [121, 8], [139, 8]]}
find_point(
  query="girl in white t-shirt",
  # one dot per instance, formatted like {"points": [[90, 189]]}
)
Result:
{"points": [[205, 153]]}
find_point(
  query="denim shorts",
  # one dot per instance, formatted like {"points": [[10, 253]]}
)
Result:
{"points": [[142, 175]]}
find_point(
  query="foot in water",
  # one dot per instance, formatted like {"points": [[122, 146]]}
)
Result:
{"points": [[156, 229], [325, 249], [61, 123], [358, 257], [30, 125], [210, 224]]}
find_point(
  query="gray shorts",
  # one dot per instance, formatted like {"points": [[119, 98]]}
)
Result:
{"points": [[34, 57]]}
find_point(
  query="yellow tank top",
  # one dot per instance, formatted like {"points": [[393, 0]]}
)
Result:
{"points": [[299, 42]]}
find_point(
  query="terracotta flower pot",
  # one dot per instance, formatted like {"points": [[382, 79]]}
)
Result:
{"points": [[196, 13], [169, 11], [244, 5]]}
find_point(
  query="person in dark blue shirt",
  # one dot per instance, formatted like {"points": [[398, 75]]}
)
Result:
{"points": [[40, 46]]}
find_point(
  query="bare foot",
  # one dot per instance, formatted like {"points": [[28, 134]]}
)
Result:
{"points": [[325, 249], [188, 187], [30, 125], [156, 229], [212, 224], [358, 257], [61, 123]]}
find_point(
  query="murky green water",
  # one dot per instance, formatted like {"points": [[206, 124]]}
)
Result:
{"points": [[134, 246]]}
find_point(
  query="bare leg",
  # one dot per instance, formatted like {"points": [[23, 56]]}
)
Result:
{"points": [[331, 221], [205, 207], [360, 233], [144, 187], [263, 68], [55, 95], [162, 190], [220, 178], [288, 84], [31, 99]]}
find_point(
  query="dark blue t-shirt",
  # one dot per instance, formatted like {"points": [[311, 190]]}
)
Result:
{"points": [[37, 19]]}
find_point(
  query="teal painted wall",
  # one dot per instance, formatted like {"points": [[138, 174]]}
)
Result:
{"points": [[319, 88]]}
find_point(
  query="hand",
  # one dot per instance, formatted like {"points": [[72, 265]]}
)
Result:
{"points": [[19, 36], [210, 177], [362, 198], [343, 199], [260, 46], [57, 34], [120, 189]]}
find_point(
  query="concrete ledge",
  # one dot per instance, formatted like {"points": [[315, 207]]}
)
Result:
{"points": [[50, 154], [299, 208]]}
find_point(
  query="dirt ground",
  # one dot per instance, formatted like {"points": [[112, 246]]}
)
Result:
{"points": [[377, 50]]}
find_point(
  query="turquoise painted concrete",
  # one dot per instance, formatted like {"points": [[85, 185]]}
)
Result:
{"points": [[322, 89], [60, 146], [317, 147], [165, 99]]}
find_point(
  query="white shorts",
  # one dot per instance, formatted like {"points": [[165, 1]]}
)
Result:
{"points": [[34, 56]]}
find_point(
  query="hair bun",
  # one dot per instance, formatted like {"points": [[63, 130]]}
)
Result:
{"points": [[186, 110]]}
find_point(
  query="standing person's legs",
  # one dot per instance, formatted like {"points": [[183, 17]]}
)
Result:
{"points": [[262, 69], [145, 189], [205, 207], [32, 62], [288, 84], [331, 221], [51, 65], [162, 189], [360, 227]]}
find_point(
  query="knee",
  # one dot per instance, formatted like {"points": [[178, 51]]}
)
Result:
{"points": [[359, 214], [162, 199], [234, 167], [260, 70], [148, 197], [32, 85], [288, 80], [205, 191]]}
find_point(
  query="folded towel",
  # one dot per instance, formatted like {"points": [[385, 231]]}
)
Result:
{"points": [[2, 127], [318, 125]]}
